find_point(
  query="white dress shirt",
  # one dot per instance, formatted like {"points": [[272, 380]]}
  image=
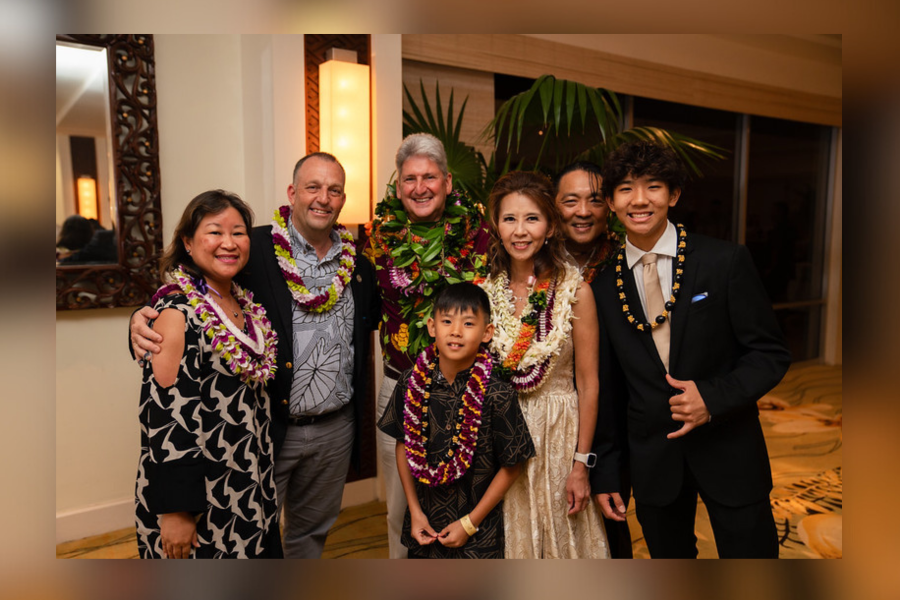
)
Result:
{"points": [[666, 248]]}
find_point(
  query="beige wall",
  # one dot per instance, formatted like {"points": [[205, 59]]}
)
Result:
{"points": [[231, 115], [199, 87]]}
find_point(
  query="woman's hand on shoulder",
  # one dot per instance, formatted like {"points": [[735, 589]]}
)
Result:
{"points": [[170, 324]]}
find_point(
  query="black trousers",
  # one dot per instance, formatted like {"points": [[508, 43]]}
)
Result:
{"points": [[740, 532]]}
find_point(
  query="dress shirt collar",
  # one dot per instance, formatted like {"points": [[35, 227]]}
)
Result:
{"points": [[666, 245], [298, 241]]}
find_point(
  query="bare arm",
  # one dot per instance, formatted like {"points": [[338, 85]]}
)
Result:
{"points": [[454, 535], [170, 324], [420, 528], [178, 530], [585, 337]]}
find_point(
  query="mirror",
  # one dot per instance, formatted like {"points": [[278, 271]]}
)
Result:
{"points": [[107, 169], [85, 217]]}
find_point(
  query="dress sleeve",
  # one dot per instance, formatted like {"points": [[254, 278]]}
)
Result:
{"points": [[391, 421], [512, 441], [171, 418]]}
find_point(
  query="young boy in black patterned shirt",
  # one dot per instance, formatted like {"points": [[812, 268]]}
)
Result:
{"points": [[454, 490]]}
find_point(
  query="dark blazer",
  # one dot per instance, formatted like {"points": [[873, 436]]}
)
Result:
{"points": [[728, 343], [262, 276]]}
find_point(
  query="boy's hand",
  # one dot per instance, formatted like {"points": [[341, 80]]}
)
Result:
{"points": [[578, 488], [687, 406], [421, 530], [453, 535], [144, 340]]}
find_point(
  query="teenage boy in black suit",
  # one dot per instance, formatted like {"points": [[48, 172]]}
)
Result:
{"points": [[688, 344]]}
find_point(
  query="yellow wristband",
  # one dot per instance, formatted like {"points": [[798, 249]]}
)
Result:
{"points": [[468, 526]]}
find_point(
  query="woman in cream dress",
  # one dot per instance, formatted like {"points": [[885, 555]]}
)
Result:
{"points": [[536, 298]]}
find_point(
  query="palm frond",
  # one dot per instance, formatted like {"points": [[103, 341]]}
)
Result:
{"points": [[465, 163]]}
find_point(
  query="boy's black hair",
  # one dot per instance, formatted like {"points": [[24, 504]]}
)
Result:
{"points": [[642, 158], [462, 297]]}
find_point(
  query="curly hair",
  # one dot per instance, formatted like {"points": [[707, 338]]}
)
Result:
{"points": [[639, 159], [212, 202], [550, 259]]}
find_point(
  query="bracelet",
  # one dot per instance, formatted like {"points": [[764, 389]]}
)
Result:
{"points": [[468, 526]]}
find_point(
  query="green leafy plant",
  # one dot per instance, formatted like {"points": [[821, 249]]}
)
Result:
{"points": [[573, 121], [464, 162], [567, 120]]}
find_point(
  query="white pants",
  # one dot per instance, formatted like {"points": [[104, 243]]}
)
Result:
{"points": [[387, 463]]}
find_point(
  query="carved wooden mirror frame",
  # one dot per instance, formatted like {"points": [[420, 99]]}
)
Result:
{"points": [[135, 148]]}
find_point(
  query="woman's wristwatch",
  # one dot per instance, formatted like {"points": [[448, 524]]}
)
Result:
{"points": [[589, 459]]}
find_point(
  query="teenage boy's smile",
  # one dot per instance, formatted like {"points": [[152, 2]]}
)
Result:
{"points": [[642, 204]]}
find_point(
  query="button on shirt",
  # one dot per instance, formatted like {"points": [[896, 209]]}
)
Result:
{"points": [[665, 249], [323, 342]]}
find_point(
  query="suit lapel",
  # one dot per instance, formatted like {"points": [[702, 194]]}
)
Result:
{"points": [[680, 312], [637, 311], [280, 291]]}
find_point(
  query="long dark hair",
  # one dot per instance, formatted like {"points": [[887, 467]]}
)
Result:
{"points": [[550, 259], [208, 203]]}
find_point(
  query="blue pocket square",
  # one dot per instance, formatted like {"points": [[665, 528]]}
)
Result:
{"points": [[700, 297]]}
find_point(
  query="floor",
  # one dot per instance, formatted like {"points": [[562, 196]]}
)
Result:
{"points": [[801, 419]]}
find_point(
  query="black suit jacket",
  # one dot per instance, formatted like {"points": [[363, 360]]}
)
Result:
{"points": [[728, 343], [263, 277]]}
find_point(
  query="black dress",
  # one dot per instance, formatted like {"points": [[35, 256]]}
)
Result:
{"points": [[206, 449], [503, 441]]}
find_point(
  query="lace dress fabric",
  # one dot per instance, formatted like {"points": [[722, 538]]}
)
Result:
{"points": [[535, 508]]}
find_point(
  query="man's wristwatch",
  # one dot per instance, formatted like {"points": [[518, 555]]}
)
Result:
{"points": [[589, 459]]}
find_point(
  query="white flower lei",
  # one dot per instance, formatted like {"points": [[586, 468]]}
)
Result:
{"points": [[507, 325]]}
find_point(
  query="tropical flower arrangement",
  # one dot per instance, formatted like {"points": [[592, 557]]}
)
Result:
{"points": [[422, 258]]}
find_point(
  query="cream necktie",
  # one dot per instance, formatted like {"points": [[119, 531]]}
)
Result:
{"points": [[655, 306]]}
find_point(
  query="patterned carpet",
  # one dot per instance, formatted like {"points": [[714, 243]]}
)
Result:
{"points": [[801, 420]]}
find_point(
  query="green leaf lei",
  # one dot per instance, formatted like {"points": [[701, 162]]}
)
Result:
{"points": [[424, 257]]}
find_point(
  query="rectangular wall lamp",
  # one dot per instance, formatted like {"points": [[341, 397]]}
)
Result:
{"points": [[345, 128]]}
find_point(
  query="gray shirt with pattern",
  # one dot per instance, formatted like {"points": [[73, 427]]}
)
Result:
{"points": [[323, 342]]}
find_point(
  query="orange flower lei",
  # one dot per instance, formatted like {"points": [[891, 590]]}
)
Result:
{"points": [[528, 329]]}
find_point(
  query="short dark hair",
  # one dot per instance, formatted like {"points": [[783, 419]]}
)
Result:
{"points": [[462, 297], [208, 203], [76, 232], [323, 156], [642, 158], [581, 165]]}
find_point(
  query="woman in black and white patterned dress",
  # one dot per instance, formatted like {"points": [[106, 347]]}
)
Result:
{"points": [[205, 484]]}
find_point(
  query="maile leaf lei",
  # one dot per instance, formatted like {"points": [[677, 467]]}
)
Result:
{"points": [[423, 258]]}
